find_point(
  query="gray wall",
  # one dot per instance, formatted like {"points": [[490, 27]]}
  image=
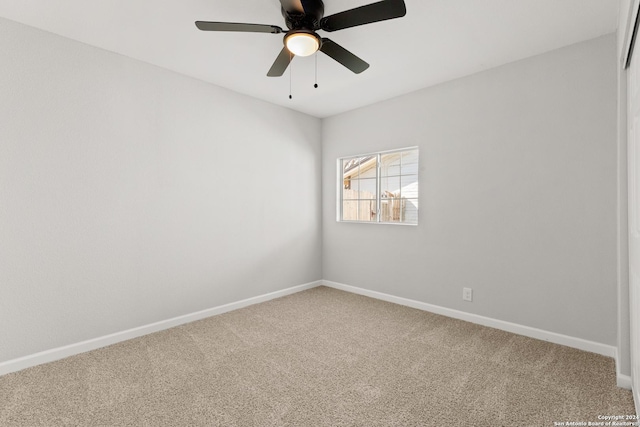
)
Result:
{"points": [[130, 194], [518, 194]]}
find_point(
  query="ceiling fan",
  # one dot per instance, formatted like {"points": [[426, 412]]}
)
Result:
{"points": [[303, 18]]}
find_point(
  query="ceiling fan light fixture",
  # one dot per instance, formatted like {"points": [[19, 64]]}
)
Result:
{"points": [[302, 43]]}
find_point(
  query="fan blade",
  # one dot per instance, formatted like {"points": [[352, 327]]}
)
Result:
{"points": [[375, 12], [281, 63], [343, 56], [234, 26]]}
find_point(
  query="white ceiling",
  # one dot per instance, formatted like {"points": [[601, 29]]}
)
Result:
{"points": [[438, 40]]}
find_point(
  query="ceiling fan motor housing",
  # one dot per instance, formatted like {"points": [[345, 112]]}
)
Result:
{"points": [[308, 19]]}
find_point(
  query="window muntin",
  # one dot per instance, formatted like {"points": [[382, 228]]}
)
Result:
{"points": [[379, 188]]}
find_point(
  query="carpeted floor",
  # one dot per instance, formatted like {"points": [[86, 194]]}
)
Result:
{"points": [[319, 358]]}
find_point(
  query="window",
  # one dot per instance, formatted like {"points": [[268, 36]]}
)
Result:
{"points": [[379, 188]]}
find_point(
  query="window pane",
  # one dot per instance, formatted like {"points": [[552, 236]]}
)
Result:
{"points": [[368, 168], [390, 186], [411, 211], [367, 210], [392, 209], [409, 188], [349, 211], [346, 166], [410, 162], [390, 164], [350, 194], [366, 188], [350, 165]]}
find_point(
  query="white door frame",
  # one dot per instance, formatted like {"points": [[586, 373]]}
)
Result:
{"points": [[631, 62]]}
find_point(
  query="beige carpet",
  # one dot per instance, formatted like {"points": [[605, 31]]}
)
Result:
{"points": [[319, 358]]}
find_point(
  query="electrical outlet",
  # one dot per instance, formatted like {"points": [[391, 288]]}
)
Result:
{"points": [[467, 294]]}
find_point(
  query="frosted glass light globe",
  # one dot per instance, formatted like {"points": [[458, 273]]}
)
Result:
{"points": [[302, 44]]}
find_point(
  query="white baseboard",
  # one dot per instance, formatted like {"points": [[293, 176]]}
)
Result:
{"points": [[95, 343], [47, 356], [623, 381], [527, 331]]}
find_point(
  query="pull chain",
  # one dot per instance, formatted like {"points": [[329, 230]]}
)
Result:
{"points": [[316, 84], [290, 72]]}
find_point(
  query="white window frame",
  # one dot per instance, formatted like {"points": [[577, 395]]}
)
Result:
{"points": [[340, 188]]}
